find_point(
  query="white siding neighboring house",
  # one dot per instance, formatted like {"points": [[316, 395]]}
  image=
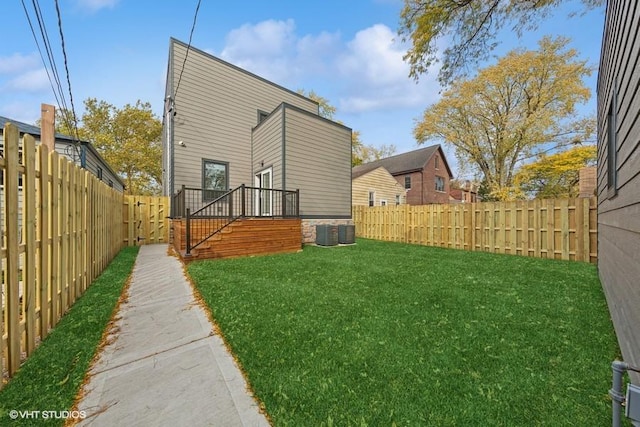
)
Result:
{"points": [[376, 187], [81, 153], [219, 117]]}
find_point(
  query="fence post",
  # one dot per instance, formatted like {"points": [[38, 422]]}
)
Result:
{"points": [[12, 300], [188, 232]]}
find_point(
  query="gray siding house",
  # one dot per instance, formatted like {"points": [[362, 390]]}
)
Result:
{"points": [[618, 182], [222, 121], [81, 153]]}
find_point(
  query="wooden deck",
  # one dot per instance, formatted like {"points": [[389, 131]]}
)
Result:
{"points": [[244, 237]]}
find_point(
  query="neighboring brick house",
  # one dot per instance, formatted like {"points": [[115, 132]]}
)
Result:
{"points": [[465, 193], [424, 173], [375, 188]]}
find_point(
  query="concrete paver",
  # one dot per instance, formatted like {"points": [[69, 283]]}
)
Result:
{"points": [[165, 366]]}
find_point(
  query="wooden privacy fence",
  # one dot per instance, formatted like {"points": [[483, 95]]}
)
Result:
{"points": [[559, 229], [145, 220], [60, 227]]}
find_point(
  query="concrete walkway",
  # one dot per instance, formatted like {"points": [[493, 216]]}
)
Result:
{"points": [[165, 365]]}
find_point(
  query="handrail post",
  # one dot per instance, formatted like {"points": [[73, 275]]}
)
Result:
{"points": [[243, 199], [297, 203], [183, 200], [283, 203], [188, 232]]}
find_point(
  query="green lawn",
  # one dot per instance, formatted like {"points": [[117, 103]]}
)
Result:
{"points": [[51, 377], [385, 333]]}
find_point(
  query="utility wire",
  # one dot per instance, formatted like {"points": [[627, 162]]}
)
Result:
{"points": [[68, 115], [66, 68], [35, 38], [193, 26], [47, 45]]}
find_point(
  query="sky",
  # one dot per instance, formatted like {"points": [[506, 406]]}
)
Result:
{"points": [[347, 51]]}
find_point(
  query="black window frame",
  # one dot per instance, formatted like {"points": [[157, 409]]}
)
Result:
{"points": [[407, 182], [212, 194], [372, 198]]}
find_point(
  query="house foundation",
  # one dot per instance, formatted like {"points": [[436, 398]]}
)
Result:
{"points": [[309, 227]]}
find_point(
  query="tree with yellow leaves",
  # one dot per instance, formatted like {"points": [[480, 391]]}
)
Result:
{"points": [[128, 138], [470, 28], [556, 175], [512, 111]]}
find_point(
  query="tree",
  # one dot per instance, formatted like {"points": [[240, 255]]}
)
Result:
{"points": [[512, 111], [127, 138], [469, 25], [360, 153], [556, 175]]}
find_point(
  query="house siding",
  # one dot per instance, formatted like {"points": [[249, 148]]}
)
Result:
{"points": [[92, 163], [318, 163], [216, 108], [619, 207], [267, 147], [382, 183], [74, 153]]}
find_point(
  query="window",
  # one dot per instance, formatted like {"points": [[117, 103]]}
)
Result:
{"points": [[439, 183], [262, 115], [612, 149], [383, 203], [110, 183], [397, 199], [437, 161], [372, 198], [215, 179], [407, 182], [99, 174], [19, 161]]}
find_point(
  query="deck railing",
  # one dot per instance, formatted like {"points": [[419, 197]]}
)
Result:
{"points": [[207, 212]]}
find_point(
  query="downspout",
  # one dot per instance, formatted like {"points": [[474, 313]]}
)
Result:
{"points": [[169, 149], [284, 147]]}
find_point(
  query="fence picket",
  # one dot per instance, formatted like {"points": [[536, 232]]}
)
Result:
{"points": [[562, 229], [29, 226], [61, 227]]}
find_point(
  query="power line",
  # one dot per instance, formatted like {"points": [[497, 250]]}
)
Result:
{"points": [[35, 38], [50, 65], [193, 26], [66, 68]]}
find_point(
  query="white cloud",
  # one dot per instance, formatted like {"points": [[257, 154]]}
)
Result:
{"points": [[378, 77], [366, 73], [266, 48], [96, 5], [21, 111], [18, 63], [30, 81]]}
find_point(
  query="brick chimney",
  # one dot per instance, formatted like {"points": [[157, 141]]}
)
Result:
{"points": [[588, 181]]}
